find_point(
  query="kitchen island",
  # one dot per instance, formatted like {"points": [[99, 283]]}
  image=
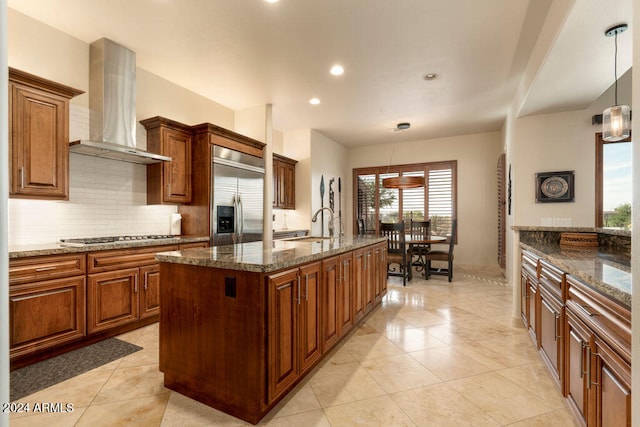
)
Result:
{"points": [[241, 325]]}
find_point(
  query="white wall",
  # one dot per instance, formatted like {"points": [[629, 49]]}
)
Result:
{"points": [[477, 158], [297, 145], [559, 142], [328, 160]]}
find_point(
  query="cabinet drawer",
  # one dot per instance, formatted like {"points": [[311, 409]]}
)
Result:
{"points": [[609, 320], [552, 279], [25, 270], [193, 245], [530, 264], [124, 258]]}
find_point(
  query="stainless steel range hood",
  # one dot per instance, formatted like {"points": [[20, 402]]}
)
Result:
{"points": [[112, 103]]}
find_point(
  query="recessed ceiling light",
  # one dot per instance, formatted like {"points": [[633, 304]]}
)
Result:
{"points": [[337, 70], [400, 127], [314, 101], [272, 1], [430, 76]]}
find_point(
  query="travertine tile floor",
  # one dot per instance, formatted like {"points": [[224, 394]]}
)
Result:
{"points": [[434, 354]]}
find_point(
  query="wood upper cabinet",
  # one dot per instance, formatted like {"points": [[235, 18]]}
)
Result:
{"points": [[169, 182], [284, 182], [39, 136], [294, 326], [47, 302]]}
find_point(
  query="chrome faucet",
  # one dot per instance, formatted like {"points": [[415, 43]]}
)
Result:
{"points": [[331, 219]]}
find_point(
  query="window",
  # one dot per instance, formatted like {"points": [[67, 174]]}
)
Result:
{"points": [[613, 183], [436, 201]]}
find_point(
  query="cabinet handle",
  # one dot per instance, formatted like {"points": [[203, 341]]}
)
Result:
{"points": [[299, 298], [21, 177], [146, 280], [585, 308], [582, 371], [135, 284], [306, 287], [555, 326], [45, 268]]}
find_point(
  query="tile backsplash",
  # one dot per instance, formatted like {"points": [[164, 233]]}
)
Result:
{"points": [[106, 198]]}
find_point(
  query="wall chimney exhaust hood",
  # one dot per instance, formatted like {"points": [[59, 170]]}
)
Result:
{"points": [[112, 103]]}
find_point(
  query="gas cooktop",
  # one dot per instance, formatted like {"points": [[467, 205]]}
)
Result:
{"points": [[82, 241]]}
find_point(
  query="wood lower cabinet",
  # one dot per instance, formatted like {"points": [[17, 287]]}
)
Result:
{"points": [[112, 299], [331, 271], [294, 326], [47, 303], [585, 339], [123, 287], [39, 136], [169, 182], [338, 305], [361, 281], [46, 314], [229, 342]]}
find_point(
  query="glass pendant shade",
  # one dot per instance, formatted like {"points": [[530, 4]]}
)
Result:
{"points": [[616, 123]]}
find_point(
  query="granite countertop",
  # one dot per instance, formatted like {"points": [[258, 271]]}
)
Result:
{"points": [[22, 251], [606, 271], [268, 256], [610, 231]]}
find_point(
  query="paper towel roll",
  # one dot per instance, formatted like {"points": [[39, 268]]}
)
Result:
{"points": [[176, 224]]}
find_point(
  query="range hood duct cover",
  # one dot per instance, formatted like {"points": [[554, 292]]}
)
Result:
{"points": [[112, 103]]}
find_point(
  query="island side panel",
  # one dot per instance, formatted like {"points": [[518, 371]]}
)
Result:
{"points": [[212, 344]]}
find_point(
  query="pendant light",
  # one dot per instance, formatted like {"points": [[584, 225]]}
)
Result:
{"points": [[402, 182], [616, 120]]}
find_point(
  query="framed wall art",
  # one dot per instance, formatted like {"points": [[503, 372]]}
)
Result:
{"points": [[553, 187]]}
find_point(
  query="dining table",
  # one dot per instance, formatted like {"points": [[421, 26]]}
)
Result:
{"points": [[412, 241]]}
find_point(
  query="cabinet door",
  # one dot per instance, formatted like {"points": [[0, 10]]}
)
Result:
{"points": [[380, 278], [524, 299], [112, 299], [149, 290], [45, 314], [550, 333], [370, 275], [309, 316], [39, 144], [578, 352], [283, 369], [612, 386], [345, 292], [290, 186], [534, 307], [177, 173], [359, 266], [330, 294]]}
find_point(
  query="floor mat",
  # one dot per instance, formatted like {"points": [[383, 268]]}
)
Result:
{"points": [[33, 378]]}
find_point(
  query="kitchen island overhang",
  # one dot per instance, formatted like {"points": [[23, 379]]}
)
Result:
{"points": [[241, 325]]}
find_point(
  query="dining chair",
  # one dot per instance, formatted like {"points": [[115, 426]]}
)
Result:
{"points": [[447, 256], [396, 250], [419, 230]]}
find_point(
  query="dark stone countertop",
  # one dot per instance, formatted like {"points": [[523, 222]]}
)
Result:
{"points": [[268, 256], [22, 251], [606, 271]]}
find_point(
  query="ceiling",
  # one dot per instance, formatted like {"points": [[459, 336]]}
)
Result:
{"points": [[244, 53]]}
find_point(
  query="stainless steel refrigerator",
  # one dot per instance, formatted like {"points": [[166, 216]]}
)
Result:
{"points": [[237, 202]]}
